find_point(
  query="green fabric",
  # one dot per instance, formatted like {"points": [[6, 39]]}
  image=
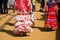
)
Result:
{"points": [[33, 2]]}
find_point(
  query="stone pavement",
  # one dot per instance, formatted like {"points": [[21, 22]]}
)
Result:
{"points": [[7, 22], [39, 33]]}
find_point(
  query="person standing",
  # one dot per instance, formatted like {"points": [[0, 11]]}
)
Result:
{"points": [[42, 3], [51, 19], [23, 19], [5, 6], [10, 4], [1, 9]]}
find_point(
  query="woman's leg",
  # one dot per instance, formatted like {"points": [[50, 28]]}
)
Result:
{"points": [[5, 6], [1, 9]]}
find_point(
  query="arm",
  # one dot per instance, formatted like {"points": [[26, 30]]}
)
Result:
{"points": [[30, 5], [56, 7]]}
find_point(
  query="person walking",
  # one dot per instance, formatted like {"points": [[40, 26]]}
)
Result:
{"points": [[23, 19], [51, 19], [5, 6]]}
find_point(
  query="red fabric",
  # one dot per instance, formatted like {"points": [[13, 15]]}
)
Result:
{"points": [[51, 19], [23, 23], [50, 9], [22, 5], [23, 20]]}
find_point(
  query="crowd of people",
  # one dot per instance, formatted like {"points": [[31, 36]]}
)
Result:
{"points": [[25, 18]]}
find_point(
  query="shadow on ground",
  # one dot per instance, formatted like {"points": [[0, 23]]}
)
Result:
{"points": [[10, 24], [43, 29], [43, 17], [11, 33]]}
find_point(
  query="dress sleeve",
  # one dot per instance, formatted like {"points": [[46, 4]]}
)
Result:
{"points": [[30, 4], [17, 4]]}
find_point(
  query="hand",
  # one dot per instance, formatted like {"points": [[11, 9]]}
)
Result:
{"points": [[56, 8]]}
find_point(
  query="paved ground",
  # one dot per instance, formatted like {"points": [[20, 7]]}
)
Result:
{"points": [[7, 22]]}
